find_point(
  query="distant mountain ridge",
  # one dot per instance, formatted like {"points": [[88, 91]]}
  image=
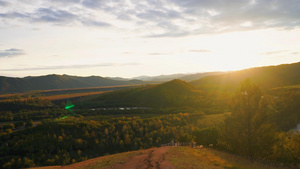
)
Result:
{"points": [[267, 77], [185, 77], [160, 78], [53, 81]]}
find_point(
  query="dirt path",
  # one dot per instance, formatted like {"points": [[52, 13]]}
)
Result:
{"points": [[151, 159], [154, 158]]}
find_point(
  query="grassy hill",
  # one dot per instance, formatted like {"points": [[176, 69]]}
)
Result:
{"points": [[48, 82], [168, 157], [266, 77], [172, 93]]}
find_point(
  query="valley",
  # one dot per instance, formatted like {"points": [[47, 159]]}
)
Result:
{"points": [[129, 123]]}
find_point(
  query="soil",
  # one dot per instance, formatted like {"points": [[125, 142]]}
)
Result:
{"points": [[154, 158]]}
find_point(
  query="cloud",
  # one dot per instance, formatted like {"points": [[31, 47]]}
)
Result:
{"points": [[170, 34], [274, 52], [4, 3], [95, 23], [13, 15], [66, 2], [72, 66], [162, 18], [200, 51], [53, 15], [11, 52], [93, 3], [160, 53]]}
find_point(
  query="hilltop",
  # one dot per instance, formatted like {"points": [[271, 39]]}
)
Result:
{"points": [[172, 93], [266, 77], [168, 158], [49, 82]]}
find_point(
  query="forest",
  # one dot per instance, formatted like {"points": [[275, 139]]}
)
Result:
{"points": [[250, 122]]}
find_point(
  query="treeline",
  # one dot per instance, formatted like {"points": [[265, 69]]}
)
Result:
{"points": [[73, 140], [255, 128], [29, 109], [258, 127]]}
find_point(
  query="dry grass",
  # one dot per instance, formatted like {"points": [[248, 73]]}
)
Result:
{"points": [[79, 92], [187, 157], [180, 157], [63, 96], [104, 162], [48, 167]]}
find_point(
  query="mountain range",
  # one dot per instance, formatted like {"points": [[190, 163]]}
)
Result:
{"points": [[267, 77], [165, 78], [49, 82], [53, 81], [178, 93]]}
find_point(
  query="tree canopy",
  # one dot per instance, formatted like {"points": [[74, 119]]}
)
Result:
{"points": [[247, 130]]}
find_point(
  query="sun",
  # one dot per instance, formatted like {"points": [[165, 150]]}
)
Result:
{"points": [[235, 51]]}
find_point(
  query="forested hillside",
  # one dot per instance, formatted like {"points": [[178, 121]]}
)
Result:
{"points": [[266, 77], [249, 122], [48, 82], [170, 94], [37, 133]]}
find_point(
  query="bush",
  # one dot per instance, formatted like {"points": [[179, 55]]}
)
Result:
{"points": [[8, 126], [19, 124], [29, 123]]}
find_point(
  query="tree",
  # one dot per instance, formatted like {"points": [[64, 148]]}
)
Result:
{"points": [[247, 131], [64, 157], [29, 123], [8, 126], [19, 124], [206, 136], [6, 116], [287, 108]]}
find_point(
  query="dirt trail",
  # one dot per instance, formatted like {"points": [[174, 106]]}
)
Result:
{"points": [[151, 159], [154, 158]]}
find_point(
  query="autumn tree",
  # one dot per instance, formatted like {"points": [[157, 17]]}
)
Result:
{"points": [[247, 130]]}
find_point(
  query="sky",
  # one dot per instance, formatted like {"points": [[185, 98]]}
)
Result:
{"points": [[129, 38]]}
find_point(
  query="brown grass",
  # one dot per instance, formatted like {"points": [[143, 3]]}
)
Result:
{"points": [[7, 97], [100, 162], [178, 157], [63, 96], [187, 157]]}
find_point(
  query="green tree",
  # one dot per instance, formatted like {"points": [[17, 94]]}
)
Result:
{"points": [[8, 126], [64, 157], [287, 108], [19, 124], [287, 148], [206, 136], [29, 123], [6, 116], [247, 130]]}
